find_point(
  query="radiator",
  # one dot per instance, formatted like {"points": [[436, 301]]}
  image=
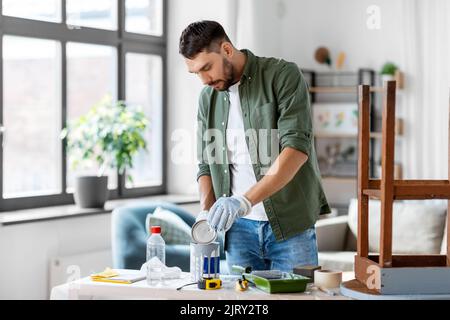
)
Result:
{"points": [[70, 268]]}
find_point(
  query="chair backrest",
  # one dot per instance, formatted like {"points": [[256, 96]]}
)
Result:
{"points": [[129, 234], [140, 210]]}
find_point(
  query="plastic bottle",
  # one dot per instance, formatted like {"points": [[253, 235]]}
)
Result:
{"points": [[156, 247]]}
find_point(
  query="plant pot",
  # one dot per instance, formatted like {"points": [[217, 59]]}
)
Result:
{"points": [[387, 77], [91, 191]]}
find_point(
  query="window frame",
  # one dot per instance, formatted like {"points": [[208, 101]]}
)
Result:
{"points": [[124, 42]]}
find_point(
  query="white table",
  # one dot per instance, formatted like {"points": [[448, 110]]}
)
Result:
{"points": [[85, 288]]}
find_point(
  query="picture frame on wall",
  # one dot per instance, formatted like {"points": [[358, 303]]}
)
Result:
{"points": [[335, 119]]}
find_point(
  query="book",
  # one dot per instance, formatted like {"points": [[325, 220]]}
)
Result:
{"points": [[125, 278]]}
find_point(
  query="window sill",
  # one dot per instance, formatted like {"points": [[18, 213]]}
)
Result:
{"points": [[70, 211]]}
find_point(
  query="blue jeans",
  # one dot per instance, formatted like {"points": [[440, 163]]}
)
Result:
{"points": [[252, 243]]}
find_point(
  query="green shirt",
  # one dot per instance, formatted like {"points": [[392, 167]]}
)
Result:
{"points": [[275, 102]]}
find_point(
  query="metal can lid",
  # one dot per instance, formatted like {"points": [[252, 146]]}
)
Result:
{"points": [[202, 233]]}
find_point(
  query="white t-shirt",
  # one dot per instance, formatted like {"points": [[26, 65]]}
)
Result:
{"points": [[242, 174]]}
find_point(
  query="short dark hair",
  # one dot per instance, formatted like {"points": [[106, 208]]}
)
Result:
{"points": [[201, 36]]}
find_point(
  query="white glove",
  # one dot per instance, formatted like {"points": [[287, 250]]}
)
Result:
{"points": [[203, 215], [226, 210]]}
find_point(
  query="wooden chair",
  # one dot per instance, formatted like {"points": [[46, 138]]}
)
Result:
{"points": [[387, 273]]}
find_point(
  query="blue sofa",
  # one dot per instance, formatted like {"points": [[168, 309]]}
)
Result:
{"points": [[129, 237]]}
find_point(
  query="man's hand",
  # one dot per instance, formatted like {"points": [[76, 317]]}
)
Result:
{"points": [[226, 210]]}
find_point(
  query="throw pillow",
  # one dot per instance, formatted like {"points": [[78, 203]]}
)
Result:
{"points": [[418, 226], [173, 229]]}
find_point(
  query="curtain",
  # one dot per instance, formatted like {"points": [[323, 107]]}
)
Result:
{"points": [[424, 103]]}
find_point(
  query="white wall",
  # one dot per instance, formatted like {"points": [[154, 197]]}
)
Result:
{"points": [[258, 25], [27, 248], [414, 36], [184, 89], [341, 25]]}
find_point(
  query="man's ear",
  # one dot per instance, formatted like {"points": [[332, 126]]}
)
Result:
{"points": [[227, 48]]}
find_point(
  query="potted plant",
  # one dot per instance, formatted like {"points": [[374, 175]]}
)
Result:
{"points": [[109, 134], [388, 71]]}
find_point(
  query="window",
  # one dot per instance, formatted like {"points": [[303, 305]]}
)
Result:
{"points": [[144, 88], [45, 10], [91, 69], [100, 14], [144, 16], [50, 76], [31, 117]]}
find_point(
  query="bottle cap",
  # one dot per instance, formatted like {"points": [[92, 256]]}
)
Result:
{"points": [[155, 229]]}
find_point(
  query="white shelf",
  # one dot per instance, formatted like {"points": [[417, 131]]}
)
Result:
{"points": [[339, 179], [373, 135]]}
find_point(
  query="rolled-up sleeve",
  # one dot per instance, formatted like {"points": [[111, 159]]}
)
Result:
{"points": [[294, 121], [203, 166]]}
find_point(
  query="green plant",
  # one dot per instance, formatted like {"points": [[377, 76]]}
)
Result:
{"points": [[389, 68], [110, 134]]}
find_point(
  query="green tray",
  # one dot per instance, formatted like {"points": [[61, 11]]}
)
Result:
{"points": [[290, 282]]}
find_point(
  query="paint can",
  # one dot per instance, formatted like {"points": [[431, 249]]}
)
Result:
{"points": [[205, 261]]}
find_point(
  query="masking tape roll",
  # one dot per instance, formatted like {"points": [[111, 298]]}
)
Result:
{"points": [[327, 279]]}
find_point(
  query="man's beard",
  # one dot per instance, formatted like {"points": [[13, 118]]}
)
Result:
{"points": [[229, 73]]}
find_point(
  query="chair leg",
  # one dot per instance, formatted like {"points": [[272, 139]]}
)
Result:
{"points": [[363, 170], [387, 175]]}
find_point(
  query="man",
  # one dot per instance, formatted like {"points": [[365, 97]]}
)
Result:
{"points": [[269, 211]]}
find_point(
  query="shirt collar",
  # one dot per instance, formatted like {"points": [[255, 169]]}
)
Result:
{"points": [[250, 65]]}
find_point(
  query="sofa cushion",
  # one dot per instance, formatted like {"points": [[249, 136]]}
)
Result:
{"points": [[331, 233], [337, 260], [173, 229], [418, 226]]}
